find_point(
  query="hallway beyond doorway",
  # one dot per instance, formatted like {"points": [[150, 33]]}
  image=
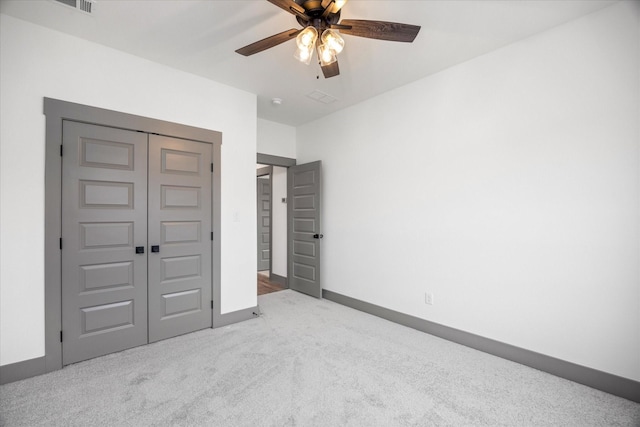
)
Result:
{"points": [[265, 286]]}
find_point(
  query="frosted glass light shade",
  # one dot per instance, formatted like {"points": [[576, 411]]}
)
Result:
{"points": [[333, 40], [303, 54], [326, 55], [307, 38]]}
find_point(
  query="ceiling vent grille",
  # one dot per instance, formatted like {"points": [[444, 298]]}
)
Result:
{"points": [[322, 97], [85, 6]]}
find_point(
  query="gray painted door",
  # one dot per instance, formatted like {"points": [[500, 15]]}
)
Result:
{"points": [[104, 219], [264, 222], [180, 229], [124, 194], [304, 228]]}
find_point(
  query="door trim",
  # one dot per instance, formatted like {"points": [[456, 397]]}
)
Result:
{"points": [[56, 111], [268, 159]]}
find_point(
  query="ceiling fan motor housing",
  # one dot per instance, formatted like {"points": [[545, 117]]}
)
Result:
{"points": [[314, 9]]}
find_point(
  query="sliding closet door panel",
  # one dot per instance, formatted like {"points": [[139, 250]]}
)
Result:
{"points": [[179, 236], [104, 219]]}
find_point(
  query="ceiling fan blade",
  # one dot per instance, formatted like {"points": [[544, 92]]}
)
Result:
{"points": [[380, 30], [340, 26], [291, 7], [330, 70], [268, 43]]}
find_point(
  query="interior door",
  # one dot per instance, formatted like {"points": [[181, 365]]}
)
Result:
{"points": [[304, 228], [264, 222], [179, 236], [104, 231]]}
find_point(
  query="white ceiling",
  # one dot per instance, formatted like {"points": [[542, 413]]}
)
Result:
{"points": [[201, 37]]}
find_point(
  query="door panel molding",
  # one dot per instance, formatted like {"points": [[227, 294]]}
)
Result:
{"points": [[180, 273], [100, 229], [56, 111]]}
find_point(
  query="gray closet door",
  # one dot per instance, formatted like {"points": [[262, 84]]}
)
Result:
{"points": [[104, 219], [304, 228], [179, 236], [264, 222]]}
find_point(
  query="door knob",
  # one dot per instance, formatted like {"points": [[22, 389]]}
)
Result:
{"points": [[155, 248], [318, 236], [139, 249]]}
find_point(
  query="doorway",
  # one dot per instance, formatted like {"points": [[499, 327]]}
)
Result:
{"points": [[272, 170], [301, 218], [271, 228], [264, 208]]}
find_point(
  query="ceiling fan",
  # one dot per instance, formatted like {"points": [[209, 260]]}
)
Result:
{"points": [[320, 19]]}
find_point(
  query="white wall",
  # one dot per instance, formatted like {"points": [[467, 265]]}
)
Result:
{"points": [[276, 139], [508, 186], [35, 63]]}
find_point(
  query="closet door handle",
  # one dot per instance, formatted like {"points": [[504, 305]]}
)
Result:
{"points": [[155, 248], [139, 250]]}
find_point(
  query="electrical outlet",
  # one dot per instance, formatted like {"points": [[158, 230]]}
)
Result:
{"points": [[428, 298]]}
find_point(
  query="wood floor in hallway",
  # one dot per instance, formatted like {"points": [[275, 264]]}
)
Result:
{"points": [[266, 287]]}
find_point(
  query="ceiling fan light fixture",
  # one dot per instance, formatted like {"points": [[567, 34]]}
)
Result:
{"points": [[304, 54], [333, 40], [326, 55], [307, 38], [319, 20], [337, 5]]}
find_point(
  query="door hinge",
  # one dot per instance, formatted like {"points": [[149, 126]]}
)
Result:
{"points": [[60, 336], [61, 243], [61, 150], [212, 235], [211, 303], [211, 167]]}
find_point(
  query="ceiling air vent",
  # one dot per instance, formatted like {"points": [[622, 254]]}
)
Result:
{"points": [[322, 97], [79, 5]]}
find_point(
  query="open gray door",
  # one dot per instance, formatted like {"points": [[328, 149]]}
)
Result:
{"points": [[264, 222], [304, 228]]}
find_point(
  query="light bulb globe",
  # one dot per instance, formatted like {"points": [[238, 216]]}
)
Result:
{"points": [[304, 54], [333, 40], [326, 56], [307, 37]]}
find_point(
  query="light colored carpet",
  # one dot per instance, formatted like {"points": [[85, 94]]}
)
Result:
{"points": [[307, 362]]}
